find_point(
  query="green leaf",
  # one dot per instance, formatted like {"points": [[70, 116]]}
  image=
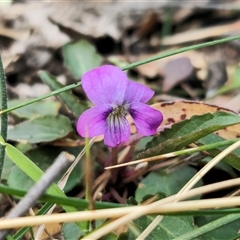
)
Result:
{"points": [[24, 147], [48, 153], [26, 165], [214, 225], [67, 98], [18, 179], [188, 131], [7, 168], [43, 157], [71, 231], [221, 166], [36, 110], [227, 231], [232, 158], [2, 142], [34, 172], [169, 228], [80, 57], [168, 183], [42, 129]]}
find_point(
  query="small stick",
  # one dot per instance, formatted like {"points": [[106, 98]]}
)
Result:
{"points": [[176, 153], [37, 190]]}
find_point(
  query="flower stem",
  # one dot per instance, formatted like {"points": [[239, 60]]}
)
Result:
{"points": [[89, 183], [3, 101], [114, 174]]}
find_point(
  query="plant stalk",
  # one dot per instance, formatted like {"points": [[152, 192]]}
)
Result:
{"points": [[114, 172], [3, 90]]}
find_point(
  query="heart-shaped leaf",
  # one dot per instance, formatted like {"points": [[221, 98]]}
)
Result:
{"points": [[42, 129], [169, 228], [35, 110], [168, 183], [80, 57]]}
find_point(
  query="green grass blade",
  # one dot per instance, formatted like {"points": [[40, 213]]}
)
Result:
{"points": [[20, 233], [129, 66], [4, 124], [209, 227], [67, 201], [71, 86], [180, 50]]}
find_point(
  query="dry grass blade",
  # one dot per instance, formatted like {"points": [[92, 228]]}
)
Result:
{"points": [[161, 206], [188, 186], [200, 34], [191, 183], [150, 227], [159, 157], [146, 210], [61, 184], [210, 165], [65, 177]]}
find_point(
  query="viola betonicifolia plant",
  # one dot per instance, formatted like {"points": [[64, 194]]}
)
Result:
{"points": [[114, 97]]}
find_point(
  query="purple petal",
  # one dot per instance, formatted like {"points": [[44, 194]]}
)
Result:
{"points": [[105, 85], [137, 92], [117, 131], [93, 121], [146, 119]]}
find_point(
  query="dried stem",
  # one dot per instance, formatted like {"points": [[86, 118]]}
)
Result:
{"points": [[164, 203], [162, 206], [191, 183]]}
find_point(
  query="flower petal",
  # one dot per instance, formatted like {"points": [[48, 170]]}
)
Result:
{"points": [[146, 119], [117, 131], [93, 121], [105, 85], [137, 92]]}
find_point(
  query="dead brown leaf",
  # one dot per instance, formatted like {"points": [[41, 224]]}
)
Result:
{"points": [[176, 72]]}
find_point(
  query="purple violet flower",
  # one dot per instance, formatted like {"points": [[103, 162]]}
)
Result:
{"points": [[114, 97]]}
